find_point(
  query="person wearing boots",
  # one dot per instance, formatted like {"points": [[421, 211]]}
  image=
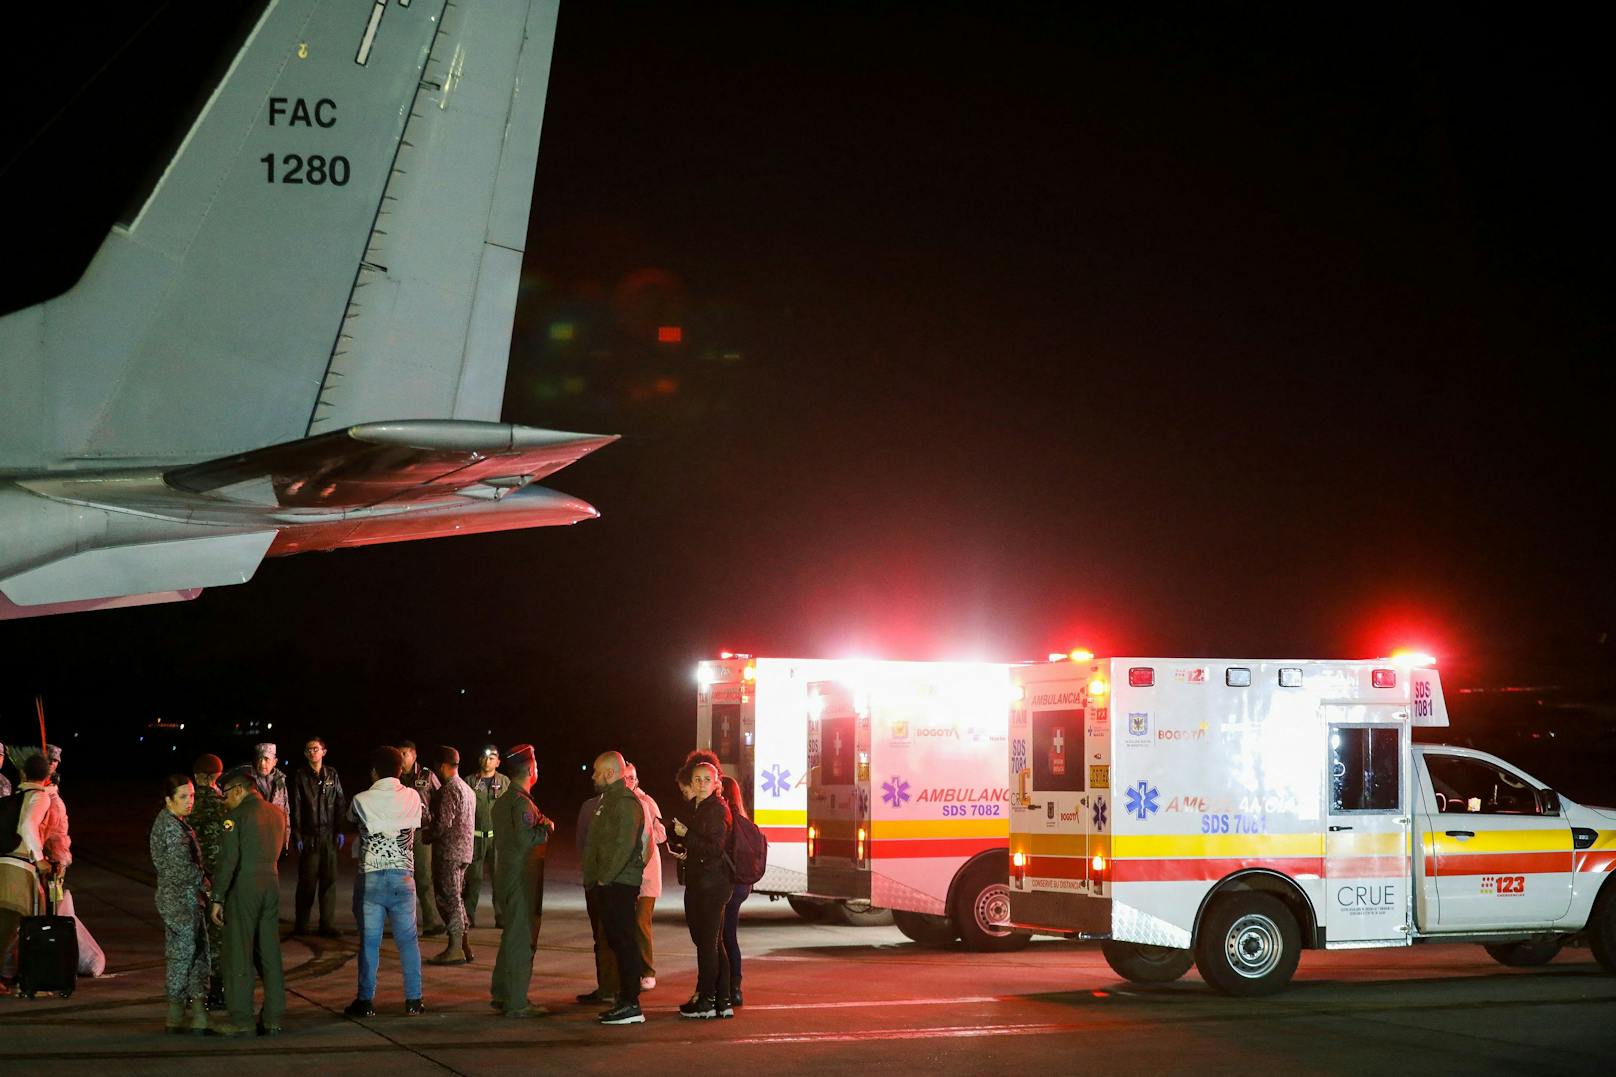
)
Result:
{"points": [[708, 888], [521, 833], [454, 813], [247, 904], [425, 783], [207, 821], [487, 785], [182, 898], [318, 808]]}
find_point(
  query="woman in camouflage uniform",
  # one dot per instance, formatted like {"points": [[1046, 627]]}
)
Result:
{"points": [[182, 890]]}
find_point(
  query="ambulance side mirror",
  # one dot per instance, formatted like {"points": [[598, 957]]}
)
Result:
{"points": [[1548, 801]]}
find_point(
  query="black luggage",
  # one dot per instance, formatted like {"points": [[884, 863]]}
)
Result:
{"points": [[47, 955]]}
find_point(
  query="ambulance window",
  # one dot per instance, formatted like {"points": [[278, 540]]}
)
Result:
{"points": [[1237, 677], [726, 731], [1467, 786], [837, 749], [1057, 751], [1365, 769]]}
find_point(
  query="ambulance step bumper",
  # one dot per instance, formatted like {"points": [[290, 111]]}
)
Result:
{"points": [[1075, 914]]}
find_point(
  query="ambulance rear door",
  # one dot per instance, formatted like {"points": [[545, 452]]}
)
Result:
{"points": [[838, 791], [721, 691]]}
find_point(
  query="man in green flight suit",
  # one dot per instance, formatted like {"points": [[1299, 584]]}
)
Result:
{"points": [[520, 834], [246, 903], [207, 819]]}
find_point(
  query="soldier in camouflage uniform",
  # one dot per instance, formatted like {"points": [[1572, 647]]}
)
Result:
{"points": [[207, 820], [424, 780], [182, 891]]}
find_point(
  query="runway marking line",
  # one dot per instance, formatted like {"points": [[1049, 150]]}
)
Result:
{"points": [[951, 1031], [865, 1004]]}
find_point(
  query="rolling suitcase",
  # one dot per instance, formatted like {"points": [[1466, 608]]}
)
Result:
{"points": [[47, 954]]}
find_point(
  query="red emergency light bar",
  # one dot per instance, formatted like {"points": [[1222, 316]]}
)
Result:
{"points": [[1383, 678]]}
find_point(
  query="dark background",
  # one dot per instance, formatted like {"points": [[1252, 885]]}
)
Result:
{"points": [[1226, 332]]}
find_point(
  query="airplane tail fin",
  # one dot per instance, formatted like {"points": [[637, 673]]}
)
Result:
{"points": [[337, 240]]}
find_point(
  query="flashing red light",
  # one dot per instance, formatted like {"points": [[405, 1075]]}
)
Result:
{"points": [[1018, 868], [1141, 677], [813, 841], [669, 334], [1383, 678]]}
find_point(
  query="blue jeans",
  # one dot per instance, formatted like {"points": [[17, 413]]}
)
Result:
{"points": [[379, 896]]}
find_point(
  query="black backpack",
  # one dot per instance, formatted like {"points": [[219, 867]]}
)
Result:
{"points": [[10, 817], [749, 850]]}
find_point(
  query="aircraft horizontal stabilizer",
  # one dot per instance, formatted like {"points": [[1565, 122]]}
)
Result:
{"points": [[96, 539], [392, 463]]}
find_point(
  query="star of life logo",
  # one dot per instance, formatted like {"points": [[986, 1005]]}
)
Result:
{"points": [[776, 781], [1141, 800], [1100, 814], [895, 792]]}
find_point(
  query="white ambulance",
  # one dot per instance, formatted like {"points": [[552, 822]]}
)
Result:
{"points": [[1232, 813], [907, 806], [754, 713]]}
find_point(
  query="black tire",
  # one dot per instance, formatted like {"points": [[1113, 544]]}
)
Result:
{"points": [[859, 913], [1602, 929], [1141, 964], [813, 910], [1523, 955], [1248, 945], [981, 903], [935, 931]]}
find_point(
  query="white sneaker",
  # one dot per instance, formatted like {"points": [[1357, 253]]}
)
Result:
{"points": [[647, 982]]}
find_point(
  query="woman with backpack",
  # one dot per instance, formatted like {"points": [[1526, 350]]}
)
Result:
{"points": [[738, 893], [708, 887]]}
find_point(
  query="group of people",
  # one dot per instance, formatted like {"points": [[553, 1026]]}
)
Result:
{"points": [[427, 836]]}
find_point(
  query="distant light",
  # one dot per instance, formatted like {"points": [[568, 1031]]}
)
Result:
{"points": [[561, 331], [666, 386], [669, 334], [272, 725]]}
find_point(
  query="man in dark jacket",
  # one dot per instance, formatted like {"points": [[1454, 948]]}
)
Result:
{"points": [[318, 808], [614, 864]]}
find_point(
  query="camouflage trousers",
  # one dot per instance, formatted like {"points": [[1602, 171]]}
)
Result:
{"points": [[186, 953], [448, 885]]}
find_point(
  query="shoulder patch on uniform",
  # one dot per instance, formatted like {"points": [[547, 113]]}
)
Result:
{"points": [[230, 824]]}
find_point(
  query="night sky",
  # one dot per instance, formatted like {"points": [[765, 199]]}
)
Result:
{"points": [[1244, 332]]}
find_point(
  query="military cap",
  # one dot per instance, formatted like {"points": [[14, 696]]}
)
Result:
{"points": [[207, 763], [265, 750], [448, 756], [522, 753], [53, 753], [238, 776]]}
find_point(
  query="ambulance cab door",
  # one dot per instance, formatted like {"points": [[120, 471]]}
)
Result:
{"points": [[1500, 847], [1367, 869]]}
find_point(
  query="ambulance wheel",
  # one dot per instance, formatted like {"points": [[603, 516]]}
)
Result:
{"points": [[982, 905], [935, 931], [1524, 955], [859, 913], [1248, 945], [812, 910], [1143, 964], [1602, 929]]}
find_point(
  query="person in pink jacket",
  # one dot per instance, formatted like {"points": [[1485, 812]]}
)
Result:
{"points": [[651, 883]]}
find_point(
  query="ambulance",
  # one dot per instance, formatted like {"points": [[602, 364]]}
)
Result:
{"points": [[753, 712], [1229, 814], [907, 806]]}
